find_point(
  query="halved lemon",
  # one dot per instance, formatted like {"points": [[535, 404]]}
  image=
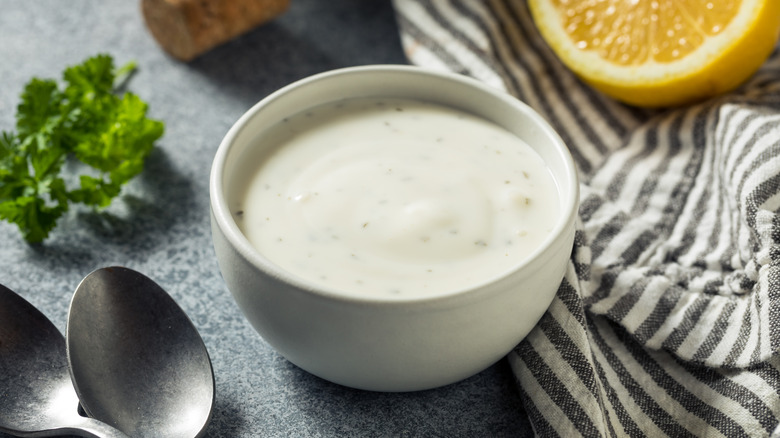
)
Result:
{"points": [[656, 53]]}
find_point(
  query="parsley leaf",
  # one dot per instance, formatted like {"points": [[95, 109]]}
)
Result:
{"points": [[108, 133]]}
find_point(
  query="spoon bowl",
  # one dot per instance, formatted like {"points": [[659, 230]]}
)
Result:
{"points": [[36, 394], [137, 361]]}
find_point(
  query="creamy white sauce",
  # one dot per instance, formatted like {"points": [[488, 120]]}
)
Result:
{"points": [[395, 197]]}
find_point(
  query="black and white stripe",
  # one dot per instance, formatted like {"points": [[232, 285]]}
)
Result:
{"points": [[668, 320]]}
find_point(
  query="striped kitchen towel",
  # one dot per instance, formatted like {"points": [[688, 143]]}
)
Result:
{"points": [[667, 322]]}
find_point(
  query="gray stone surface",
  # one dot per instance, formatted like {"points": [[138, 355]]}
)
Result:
{"points": [[160, 224]]}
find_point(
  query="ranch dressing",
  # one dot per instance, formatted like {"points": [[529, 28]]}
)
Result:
{"points": [[396, 198]]}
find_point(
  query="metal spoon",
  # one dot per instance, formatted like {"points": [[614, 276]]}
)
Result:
{"points": [[137, 361], [36, 394]]}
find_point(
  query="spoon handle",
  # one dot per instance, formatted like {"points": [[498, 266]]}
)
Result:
{"points": [[91, 428]]}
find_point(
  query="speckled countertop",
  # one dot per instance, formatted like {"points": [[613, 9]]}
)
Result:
{"points": [[160, 224]]}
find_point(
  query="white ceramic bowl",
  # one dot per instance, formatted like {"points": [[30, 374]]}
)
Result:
{"points": [[379, 343]]}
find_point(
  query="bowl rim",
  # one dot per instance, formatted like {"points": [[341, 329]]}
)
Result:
{"points": [[224, 219]]}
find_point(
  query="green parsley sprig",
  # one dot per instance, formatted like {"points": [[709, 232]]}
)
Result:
{"points": [[106, 131]]}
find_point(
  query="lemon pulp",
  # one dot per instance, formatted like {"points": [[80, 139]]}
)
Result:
{"points": [[660, 52]]}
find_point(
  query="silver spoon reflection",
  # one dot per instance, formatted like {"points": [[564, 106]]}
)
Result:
{"points": [[137, 361], [36, 394]]}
